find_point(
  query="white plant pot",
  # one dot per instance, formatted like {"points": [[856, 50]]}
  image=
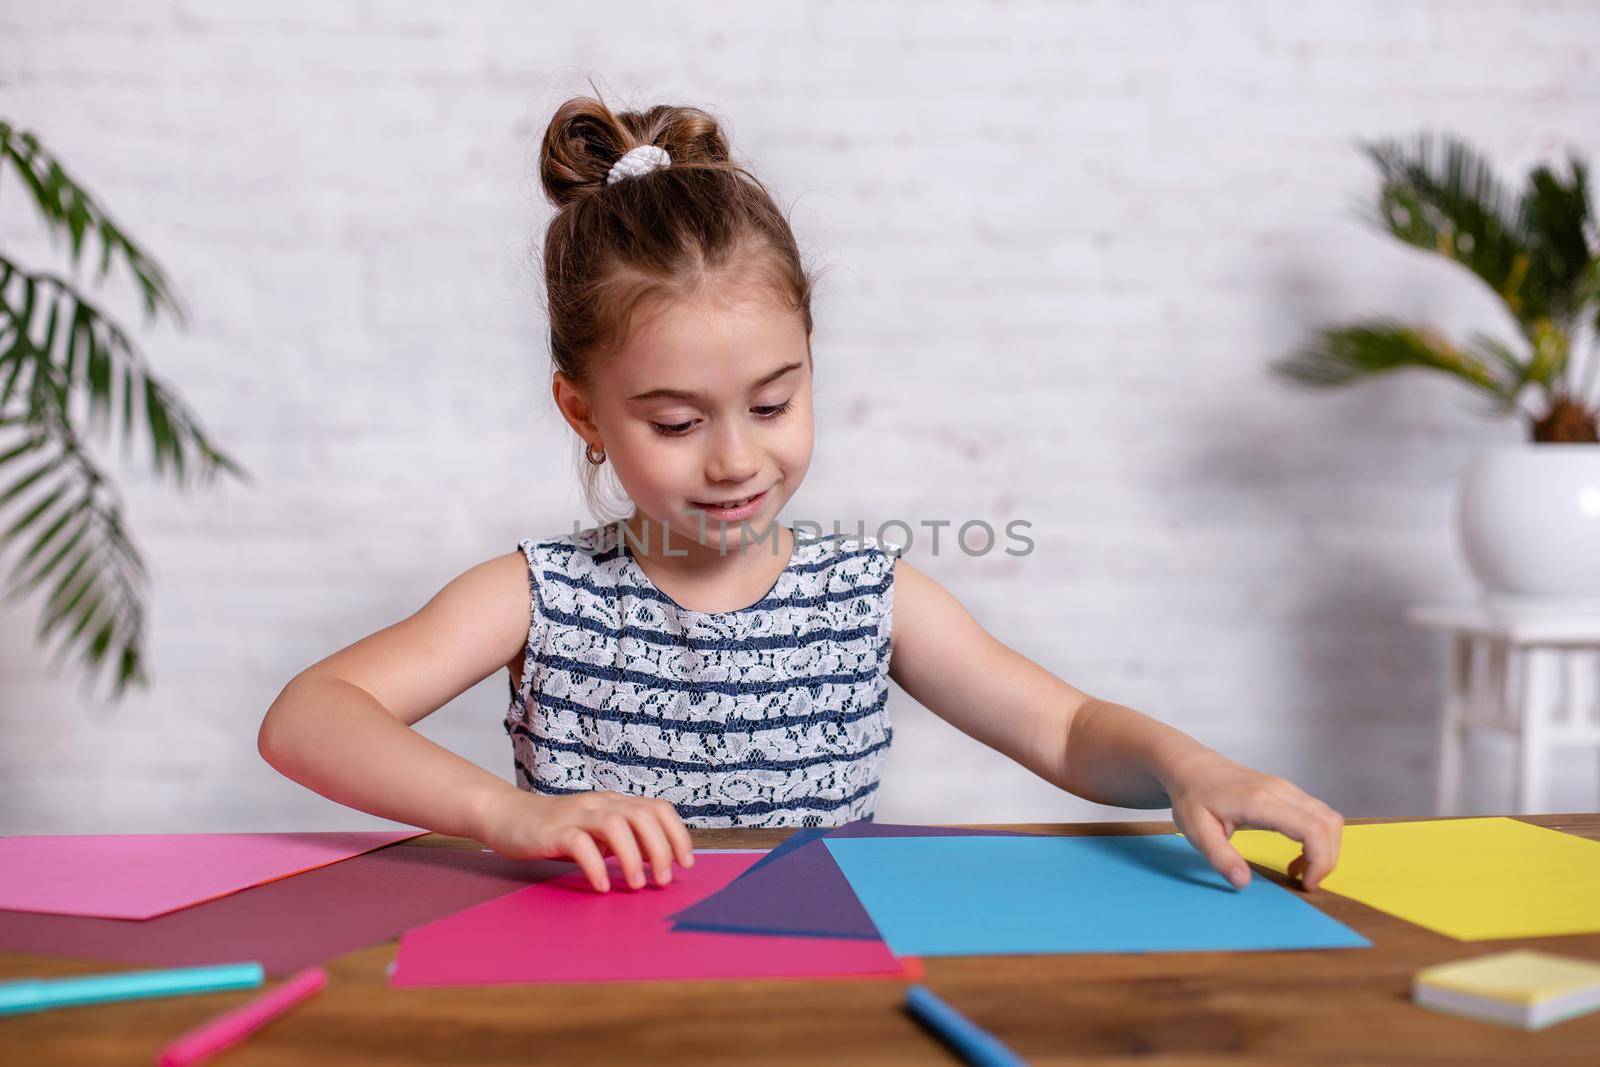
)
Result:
{"points": [[1530, 526]]}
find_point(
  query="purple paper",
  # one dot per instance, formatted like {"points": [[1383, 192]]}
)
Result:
{"points": [[803, 892], [789, 844], [295, 922]]}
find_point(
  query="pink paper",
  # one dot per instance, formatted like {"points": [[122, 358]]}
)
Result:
{"points": [[291, 923], [563, 931], [140, 876]]}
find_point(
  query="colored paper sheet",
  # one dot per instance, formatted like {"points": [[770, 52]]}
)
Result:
{"points": [[1470, 879], [291, 923], [802, 892], [954, 896], [789, 844], [1518, 977], [140, 876], [564, 931]]}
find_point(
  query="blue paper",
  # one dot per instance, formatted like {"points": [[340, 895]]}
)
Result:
{"points": [[960, 896]]}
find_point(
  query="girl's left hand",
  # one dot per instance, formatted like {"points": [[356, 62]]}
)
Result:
{"points": [[1212, 796]]}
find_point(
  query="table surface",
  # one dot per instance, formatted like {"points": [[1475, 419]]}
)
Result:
{"points": [[1345, 1006]]}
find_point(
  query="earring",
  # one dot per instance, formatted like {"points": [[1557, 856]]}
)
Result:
{"points": [[589, 455]]}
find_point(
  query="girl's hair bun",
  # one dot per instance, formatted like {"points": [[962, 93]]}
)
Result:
{"points": [[585, 137]]}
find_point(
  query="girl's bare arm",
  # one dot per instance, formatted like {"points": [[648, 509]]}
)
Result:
{"points": [[343, 728], [1101, 751]]}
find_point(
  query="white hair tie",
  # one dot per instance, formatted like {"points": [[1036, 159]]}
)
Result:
{"points": [[638, 161]]}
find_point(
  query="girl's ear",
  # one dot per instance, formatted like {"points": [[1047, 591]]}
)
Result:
{"points": [[574, 406]]}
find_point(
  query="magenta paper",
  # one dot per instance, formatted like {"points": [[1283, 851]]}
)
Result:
{"points": [[140, 876], [564, 931]]}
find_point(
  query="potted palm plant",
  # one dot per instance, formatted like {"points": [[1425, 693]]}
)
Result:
{"points": [[1529, 513]]}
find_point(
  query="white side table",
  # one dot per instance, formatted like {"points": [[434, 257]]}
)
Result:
{"points": [[1535, 676]]}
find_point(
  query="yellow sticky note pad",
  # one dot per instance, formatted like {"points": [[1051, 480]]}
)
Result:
{"points": [[1471, 879], [1531, 989]]}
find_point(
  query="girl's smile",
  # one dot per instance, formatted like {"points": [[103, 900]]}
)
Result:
{"points": [[732, 511]]}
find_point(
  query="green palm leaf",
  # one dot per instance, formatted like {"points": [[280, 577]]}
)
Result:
{"points": [[55, 345], [98, 595], [1554, 216], [67, 209], [1340, 355], [1438, 194]]}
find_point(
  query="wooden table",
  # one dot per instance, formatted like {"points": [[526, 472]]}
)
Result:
{"points": [[1345, 1006]]}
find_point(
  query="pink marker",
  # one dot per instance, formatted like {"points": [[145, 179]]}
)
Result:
{"points": [[211, 1038]]}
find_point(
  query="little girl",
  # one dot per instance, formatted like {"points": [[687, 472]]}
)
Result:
{"points": [[698, 662]]}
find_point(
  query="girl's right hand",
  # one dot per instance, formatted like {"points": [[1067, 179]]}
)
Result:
{"points": [[588, 826]]}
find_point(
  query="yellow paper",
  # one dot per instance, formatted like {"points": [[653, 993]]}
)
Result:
{"points": [[1519, 977], [1471, 879]]}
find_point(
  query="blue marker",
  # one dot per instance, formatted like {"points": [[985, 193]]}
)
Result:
{"points": [[38, 994], [977, 1046]]}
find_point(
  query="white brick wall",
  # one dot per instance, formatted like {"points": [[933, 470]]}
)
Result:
{"points": [[1065, 242]]}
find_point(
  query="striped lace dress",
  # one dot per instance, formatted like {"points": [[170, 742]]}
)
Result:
{"points": [[772, 715]]}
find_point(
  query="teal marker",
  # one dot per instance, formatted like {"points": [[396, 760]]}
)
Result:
{"points": [[39, 994]]}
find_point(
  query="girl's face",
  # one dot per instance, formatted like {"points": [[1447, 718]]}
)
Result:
{"points": [[708, 403]]}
